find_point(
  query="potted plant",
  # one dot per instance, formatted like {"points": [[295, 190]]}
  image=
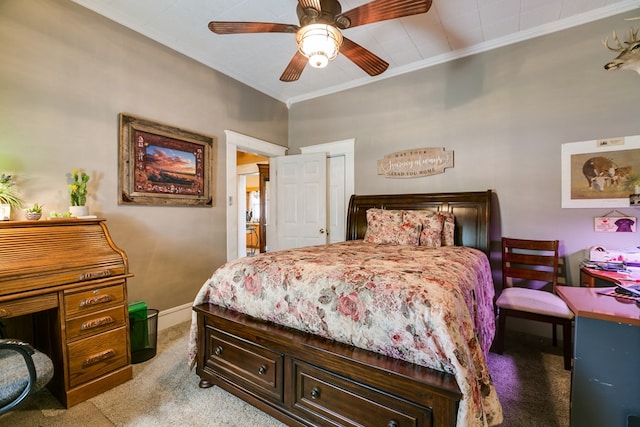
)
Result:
{"points": [[632, 185], [34, 212], [9, 196], [78, 193]]}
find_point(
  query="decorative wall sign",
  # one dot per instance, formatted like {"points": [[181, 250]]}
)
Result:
{"points": [[163, 165], [415, 163], [598, 173], [615, 224]]}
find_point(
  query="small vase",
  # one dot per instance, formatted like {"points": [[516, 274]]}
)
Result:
{"points": [[78, 211], [5, 212], [33, 216]]}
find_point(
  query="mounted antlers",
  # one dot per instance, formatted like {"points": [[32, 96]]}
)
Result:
{"points": [[629, 58]]}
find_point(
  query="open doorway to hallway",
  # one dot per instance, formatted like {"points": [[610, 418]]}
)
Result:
{"points": [[253, 191], [236, 219]]}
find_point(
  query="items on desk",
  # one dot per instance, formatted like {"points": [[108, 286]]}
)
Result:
{"points": [[630, 290], [630, 256], [619, 267], [631, 293]]}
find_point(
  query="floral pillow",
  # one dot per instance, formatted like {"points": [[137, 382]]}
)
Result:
{"points": [[387, 227], [431, 226], [448, 229]]}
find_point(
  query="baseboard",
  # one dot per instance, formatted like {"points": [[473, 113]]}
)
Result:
{"points": [[173, 316]]}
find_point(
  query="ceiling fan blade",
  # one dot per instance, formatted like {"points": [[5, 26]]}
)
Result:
{"points": [[313, 4], [295, 68], [381, 10], [220, 27], [363, 58]]}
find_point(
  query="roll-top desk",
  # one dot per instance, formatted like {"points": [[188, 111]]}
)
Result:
{"points": [[68, 278]]}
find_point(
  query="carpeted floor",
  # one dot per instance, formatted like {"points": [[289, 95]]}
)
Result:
{"points": [[530, 380]]}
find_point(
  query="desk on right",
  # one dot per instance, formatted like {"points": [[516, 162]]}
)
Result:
{"points": [[592, 278], [605, 383]]}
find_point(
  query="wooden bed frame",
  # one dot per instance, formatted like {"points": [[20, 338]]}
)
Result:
{"points": [[304, 380]]}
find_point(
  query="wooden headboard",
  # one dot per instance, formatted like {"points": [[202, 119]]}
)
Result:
{"points": [[472, 211]]}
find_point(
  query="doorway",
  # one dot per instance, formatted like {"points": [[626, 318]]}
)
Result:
{"points": [[252, 200], [236, 204], [236, 229]]}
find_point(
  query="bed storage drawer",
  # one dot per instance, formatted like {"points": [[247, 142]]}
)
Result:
{"points": [[353, 387], [329, 399], [255, 367]]}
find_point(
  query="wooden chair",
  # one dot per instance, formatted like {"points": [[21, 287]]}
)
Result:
{"points": [[535, 264], [24, 371]]}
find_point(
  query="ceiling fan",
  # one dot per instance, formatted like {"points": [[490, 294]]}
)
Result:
{"points": [[319, 36]]}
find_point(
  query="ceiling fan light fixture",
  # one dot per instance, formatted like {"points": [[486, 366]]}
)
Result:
{"points": [[319, 42]]}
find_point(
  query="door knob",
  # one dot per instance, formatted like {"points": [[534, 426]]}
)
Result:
{"points": [[322, 231]]}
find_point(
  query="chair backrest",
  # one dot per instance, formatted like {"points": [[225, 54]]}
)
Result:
{"points": [[530, 263]]}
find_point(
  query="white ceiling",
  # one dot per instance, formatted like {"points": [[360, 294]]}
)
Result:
{"points": [[451, 29]]}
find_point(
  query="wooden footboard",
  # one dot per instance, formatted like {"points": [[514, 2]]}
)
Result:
{"points": [[306, 380]]}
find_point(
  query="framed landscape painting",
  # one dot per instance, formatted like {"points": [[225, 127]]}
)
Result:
{"points": [[600, 173], [165, 166]]}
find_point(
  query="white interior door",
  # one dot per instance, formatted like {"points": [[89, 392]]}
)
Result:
{"points": [[341, 183], [301, 186]]}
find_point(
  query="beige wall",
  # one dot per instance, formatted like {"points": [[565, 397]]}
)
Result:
{"points": [[65, 74], [505, 114]]}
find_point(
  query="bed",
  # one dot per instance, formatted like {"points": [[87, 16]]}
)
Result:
{"points": [[360, 332]]}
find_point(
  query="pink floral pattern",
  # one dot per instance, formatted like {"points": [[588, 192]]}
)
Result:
{"points": [[432, 307], [387, 227], [431, 226], [448, 228]]}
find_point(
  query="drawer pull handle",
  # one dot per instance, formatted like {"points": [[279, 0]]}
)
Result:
{"points": [[315, 393], [393, 423], [218, 351], [96, 300], [96, 323], [94, 275], [262, 370], [92, 360]]}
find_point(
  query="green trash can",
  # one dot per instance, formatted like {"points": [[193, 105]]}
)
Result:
{"points": [[143, 331]]}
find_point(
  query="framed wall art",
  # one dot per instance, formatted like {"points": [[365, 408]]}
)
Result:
{"points": [[600, 173], [165, 166]]}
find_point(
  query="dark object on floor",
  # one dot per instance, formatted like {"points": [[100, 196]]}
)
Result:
{"points": [[143, 330], [24, 371]]}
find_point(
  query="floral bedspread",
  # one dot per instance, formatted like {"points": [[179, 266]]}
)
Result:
{"points": [[432, 307]]}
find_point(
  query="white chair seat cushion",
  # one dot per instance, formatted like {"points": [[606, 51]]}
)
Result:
{"points": [[534, 301]]}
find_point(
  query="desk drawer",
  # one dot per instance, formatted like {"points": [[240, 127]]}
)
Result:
{"points": [[28, 305], [329, 399], [95, 356], [94, 323], [95, 299], [257, 368]]}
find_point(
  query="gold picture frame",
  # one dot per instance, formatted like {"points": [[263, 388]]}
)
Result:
{"points": [[164, 165]]}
